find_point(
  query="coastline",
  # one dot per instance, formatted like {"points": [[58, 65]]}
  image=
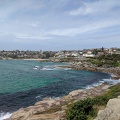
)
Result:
{"points": [[114, 71], [55, 108], [40, 60]]}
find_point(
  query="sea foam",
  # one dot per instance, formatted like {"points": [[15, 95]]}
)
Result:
{"points": [[5, 115], [94, 85], [45, 68], [111, 81], [108, 81]]}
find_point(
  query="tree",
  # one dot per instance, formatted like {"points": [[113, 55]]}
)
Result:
{"points": [[102, 49], [47, 54]]}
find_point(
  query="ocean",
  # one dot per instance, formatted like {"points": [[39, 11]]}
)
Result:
{"points": [[24, 82]]}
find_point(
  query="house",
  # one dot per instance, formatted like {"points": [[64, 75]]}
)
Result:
{"points": [[88, 54]]}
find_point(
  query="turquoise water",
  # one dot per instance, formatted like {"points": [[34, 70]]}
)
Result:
{"points": [[24, 82], [19, 75]]}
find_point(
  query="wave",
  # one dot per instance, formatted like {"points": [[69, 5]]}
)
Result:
{"points": [[50, 68], [111, 81], [5, 115], [67, 68], [40, 97], [94, 85], [108, 81], [56, 68]]}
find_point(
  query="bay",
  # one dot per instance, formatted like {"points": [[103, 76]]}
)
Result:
{"points": [[24, 82]]}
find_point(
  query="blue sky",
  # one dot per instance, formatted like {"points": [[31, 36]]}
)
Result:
{"points": [[59, 24]]}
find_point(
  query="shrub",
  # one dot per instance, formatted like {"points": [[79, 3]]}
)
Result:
{"points": [[80, 110], [107, 60]]}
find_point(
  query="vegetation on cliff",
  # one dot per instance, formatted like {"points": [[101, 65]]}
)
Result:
{"points": [[106, 60], [87, 109]]}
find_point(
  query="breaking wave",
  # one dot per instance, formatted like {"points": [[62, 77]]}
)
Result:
{"points": [[5, 115], [94, 85], [50, 68], [111, 81], [108, 81]]}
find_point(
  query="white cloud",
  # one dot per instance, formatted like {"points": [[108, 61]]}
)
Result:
{"points": [[33, 25], [85, 28], [32, 37], [97, 7], [81, 11], [10, 8], [36, 24]]}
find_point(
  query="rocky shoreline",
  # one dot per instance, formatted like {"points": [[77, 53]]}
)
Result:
{"points": [[54, 109], [89, 66], [114, 71]]}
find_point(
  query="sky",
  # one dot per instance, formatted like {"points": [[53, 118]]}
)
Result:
{"points": [[59, 24]]}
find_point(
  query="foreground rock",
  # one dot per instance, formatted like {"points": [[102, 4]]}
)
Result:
{"points": [[111, 112], [54, 109]]}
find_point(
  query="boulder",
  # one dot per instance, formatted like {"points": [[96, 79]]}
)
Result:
{"points": [[112, 110]]}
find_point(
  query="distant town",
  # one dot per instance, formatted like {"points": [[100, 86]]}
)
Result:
{"points": [[85, 53]]}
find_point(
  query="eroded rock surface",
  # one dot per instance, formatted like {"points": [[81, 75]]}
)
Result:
{"points": [[112, 110]]}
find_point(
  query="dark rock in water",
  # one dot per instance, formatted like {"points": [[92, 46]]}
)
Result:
{"points": [[116, 78]]}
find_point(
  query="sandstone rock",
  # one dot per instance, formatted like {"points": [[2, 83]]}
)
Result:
{"points": [[42, 117], [75, 92], [112, 110], [118, 97]]}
